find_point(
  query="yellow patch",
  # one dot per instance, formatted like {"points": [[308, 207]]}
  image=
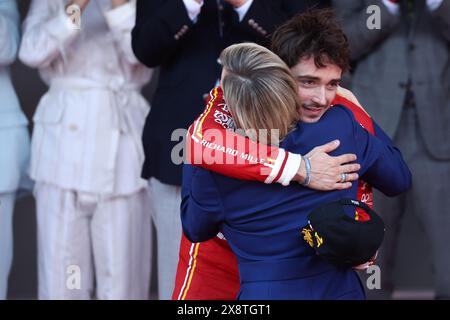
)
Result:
{"points": [[307, 236], [319, 239]]}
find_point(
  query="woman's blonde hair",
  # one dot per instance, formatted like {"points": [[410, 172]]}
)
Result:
{"points": [[259, 90]]}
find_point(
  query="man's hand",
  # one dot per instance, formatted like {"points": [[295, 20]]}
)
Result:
{"points": [[326, 171], [236, 3]]}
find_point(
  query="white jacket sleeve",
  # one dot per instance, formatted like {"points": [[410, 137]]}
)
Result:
{"points": [[121, 21], [46, 33], [9, 31]]}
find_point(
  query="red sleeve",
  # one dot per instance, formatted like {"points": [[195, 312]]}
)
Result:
{"points": [[353, 105], [211, 145], [348, 100]]}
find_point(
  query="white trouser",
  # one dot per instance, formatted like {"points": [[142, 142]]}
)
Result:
{"points": [[6, 239], [166, 200], [84, 235]]}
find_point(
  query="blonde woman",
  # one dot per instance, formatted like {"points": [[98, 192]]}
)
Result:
{"points": [[92, 206], [261, 222]]}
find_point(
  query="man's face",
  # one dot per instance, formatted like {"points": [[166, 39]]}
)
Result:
{"points": [[316, 87]]}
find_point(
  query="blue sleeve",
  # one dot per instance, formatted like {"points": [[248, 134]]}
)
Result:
{"points": [[201, 208], [382, 164]]}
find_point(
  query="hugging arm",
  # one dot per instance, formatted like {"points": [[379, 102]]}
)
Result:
{"points": [[382, 164], [211, 145], [201, 209]]}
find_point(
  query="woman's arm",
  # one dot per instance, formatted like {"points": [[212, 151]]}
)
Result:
{"points": [[46, 33], [201, 208], [382, 164], [213, 146]]}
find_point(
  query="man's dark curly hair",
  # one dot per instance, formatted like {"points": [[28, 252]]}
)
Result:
{"points": [[314, 33]]}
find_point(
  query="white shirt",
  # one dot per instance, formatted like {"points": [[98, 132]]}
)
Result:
{"points": [[87, 134]]}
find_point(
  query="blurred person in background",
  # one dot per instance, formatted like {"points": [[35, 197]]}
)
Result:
{"points": [[14, 138], [92, 206], [402, 78]]}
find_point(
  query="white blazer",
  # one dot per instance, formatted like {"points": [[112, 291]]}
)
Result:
{"points": [[14, 139], [87, 127]]}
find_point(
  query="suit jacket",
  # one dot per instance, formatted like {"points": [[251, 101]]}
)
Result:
{"points": [[188, 63], [388, 57], [262, 222], [14, 139]]}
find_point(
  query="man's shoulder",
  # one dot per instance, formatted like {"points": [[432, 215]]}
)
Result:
{"points": [[337, 116], [337, 123], [340, 120]]}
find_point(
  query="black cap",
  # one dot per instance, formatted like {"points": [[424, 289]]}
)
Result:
{"points": [[340, 239]]}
